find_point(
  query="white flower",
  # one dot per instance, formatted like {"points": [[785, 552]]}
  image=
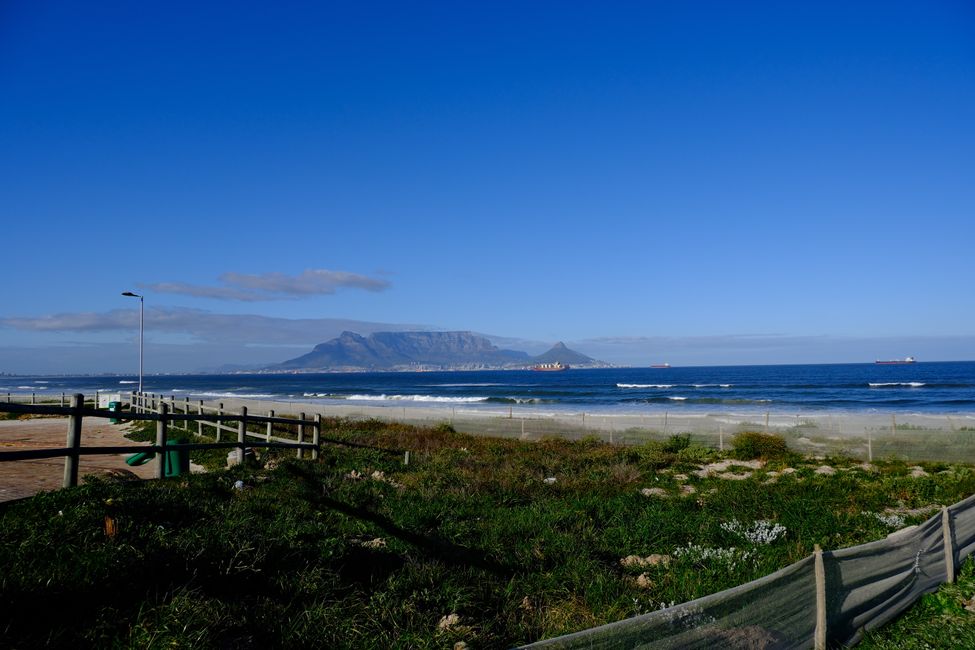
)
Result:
{"points": [[893, 521], [761, 532]]}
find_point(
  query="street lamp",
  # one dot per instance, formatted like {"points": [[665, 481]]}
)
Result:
{"points": [[129, 294]]}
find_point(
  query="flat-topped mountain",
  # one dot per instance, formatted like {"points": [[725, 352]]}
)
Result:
{"points": [[422, 350], [397, 350]]}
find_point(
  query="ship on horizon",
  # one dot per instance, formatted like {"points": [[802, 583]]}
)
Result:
{"points": [[895, 362], [659, 365], [550, 367]]}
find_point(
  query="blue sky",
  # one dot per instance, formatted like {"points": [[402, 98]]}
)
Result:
{"points": [[702, 182]]}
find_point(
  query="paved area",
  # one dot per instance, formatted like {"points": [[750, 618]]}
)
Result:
{"points": [[25, 478]]}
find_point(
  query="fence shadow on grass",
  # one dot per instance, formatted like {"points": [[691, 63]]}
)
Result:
{"points": [[442, 550]]}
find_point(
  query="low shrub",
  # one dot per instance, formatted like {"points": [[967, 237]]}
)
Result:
{"points": [[677, 442], [652, 456], [749, 445], [695, 454]]}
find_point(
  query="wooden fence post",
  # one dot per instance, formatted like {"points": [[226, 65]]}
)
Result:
{"points": [[316, 436], [270, 426], [217, 422], [819, 642], [62, 398], [74, 441], [949, 544], [242, 434], [33, 398], [199, 422], [95, 405], [301, 432], [186, 409], [161, 431]]}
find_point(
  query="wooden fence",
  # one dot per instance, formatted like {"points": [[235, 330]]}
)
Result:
{"points": [[154, 408]]}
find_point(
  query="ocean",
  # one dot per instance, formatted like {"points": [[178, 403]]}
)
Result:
{"points": [[935, 387]]}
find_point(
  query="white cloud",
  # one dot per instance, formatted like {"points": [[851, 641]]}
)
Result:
{"points": [[205, 326], [273, 286]]}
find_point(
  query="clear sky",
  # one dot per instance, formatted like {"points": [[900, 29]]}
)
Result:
{"points": [[698, 182]]}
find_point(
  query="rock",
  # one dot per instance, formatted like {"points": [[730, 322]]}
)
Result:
{"points": [[643, 581], [654, 492], [680, 477], [549, 481], [687, 490], [654, 559], [731, 476], [825, 470], [449, 621], [114, 475], [917, 472]]}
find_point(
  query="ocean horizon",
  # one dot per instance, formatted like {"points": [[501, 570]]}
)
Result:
{"points": [[923, 387]]}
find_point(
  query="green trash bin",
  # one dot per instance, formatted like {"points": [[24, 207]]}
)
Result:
{"points": [[177, 462], [115, 407]]}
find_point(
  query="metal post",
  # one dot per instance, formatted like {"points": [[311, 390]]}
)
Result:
{"points": [[74, 441], [301, 432], [316, 436], [62, 398], [161, 430], [241, 434], [33, 399], [95, 405]]}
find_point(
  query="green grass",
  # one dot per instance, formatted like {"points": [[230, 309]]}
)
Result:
{"points": [[939, 620], [471, 527]]}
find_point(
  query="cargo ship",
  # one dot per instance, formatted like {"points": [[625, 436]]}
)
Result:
{"points": [[660, 365], [550, 367], [895, 362]]}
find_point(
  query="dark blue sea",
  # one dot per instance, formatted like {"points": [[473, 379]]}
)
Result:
{"points": [[937, 387]]}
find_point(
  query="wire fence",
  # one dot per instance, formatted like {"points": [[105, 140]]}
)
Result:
{"points": [[829, 599], [865, 436]]}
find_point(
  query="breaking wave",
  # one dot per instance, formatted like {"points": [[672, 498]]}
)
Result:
{"points": [[417, 398], [888, 384], [644, 385]]}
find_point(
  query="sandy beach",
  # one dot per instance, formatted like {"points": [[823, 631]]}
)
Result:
{"points": [[25, 478]]}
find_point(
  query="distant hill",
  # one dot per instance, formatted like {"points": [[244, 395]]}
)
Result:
{"points": [[559, 353], [423, 351]]}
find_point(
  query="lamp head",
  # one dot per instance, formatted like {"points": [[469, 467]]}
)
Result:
{"points": [[130, 294]]}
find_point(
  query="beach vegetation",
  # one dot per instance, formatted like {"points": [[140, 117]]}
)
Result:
{"points": [[750, 445], [488, 541]]}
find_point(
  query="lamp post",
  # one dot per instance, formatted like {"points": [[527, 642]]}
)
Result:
{"points": [[129, 294]]}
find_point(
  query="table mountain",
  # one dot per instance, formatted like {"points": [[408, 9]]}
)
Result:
{"points": [[397, 350]]}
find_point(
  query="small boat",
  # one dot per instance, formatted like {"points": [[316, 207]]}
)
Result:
{"points": [[550, 367], [896, 362], [660, 365]]}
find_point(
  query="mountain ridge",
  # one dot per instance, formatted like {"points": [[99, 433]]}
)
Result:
{"points": [[412, 350]]}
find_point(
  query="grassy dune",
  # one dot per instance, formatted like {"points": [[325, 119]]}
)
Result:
{"points": [[473, 541]]}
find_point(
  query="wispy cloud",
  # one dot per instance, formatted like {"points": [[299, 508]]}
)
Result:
{"points": [[273, 286], [205, 326]]}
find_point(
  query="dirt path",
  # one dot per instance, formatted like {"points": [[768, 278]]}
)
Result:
{"points": [[24, 478]]}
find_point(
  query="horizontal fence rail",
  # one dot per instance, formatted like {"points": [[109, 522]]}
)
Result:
{"points": [[158, 411]]}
